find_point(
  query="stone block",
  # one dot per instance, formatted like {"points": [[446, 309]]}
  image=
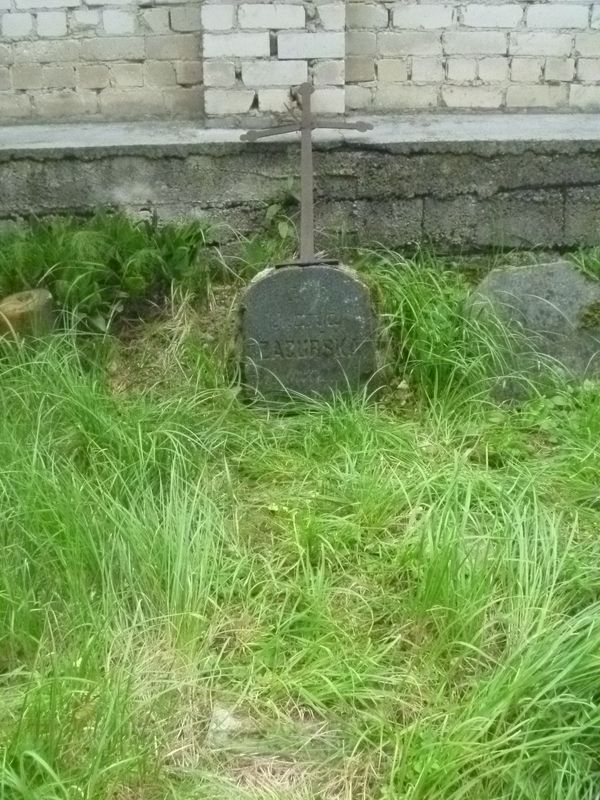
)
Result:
{"points": [[537, 96], [310, 45], [220, 102], [423, 16], [392, 70], [51, 24], [274, 73], [219, 73], [276, 16], [237, 44], [370, 16], [479, 15]]}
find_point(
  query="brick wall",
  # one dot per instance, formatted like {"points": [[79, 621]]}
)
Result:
{"points": [[77, 59], [481, 55], [256, 50], [219, 59]]}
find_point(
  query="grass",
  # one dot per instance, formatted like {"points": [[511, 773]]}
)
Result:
{"points": [[392, 599]]}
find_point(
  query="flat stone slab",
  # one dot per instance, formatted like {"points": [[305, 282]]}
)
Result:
{"points": [[306, 331], [555, 306]]}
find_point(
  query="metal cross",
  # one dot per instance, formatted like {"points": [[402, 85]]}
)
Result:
{"points": [[306, 127]]}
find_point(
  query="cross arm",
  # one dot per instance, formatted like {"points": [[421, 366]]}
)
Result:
{"points": [[344, 126], [253, 136]]}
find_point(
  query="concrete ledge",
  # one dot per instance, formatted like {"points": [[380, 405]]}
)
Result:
{"points": [[457, 181]]}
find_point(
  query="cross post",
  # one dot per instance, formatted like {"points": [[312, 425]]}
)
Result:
{"points": [[306, 126]]}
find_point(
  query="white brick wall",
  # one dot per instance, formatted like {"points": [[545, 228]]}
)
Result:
{"points": [[263, 49], [68, 59], [456, 54]]}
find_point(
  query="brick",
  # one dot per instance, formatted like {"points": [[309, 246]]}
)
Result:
{"points": [[360, 68], [536, 96], [472, 96], [47, 52], [16, 25], [59, 77], [131, 103], [595, 23], [332, 16], [52, 24], [219, 73], [157, 20], [361, 43], [553, 16], [15, 106], [182, 46], [366, 15], [278, 16], [492, 16], [427, 70], [526, 70], [66, 104], [93, 76], [541, 44], [412, 44], [392, 70], [330, 73], [159, 74], [585, 97], [462, 70], [358, 97], [83, 19], [466, 43], [123, 48], [415, 17], [218, 18], [274, 73], [588, 44], [118, 23], [559, 69], [221, 102], [185, 19], [184, 102], [397, 96], [274, 101], [126, 75], [189, 73], [311, 45], [27, 76], [329, 101], [46, 5], [493, 70], [242, 45], [588, 69], [5, 84]]}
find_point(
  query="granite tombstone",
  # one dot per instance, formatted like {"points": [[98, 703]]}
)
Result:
{"points": [[307, 328], [554, 310]]}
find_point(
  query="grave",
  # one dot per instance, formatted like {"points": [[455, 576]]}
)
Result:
{"points": [[555, 311], [307, 328]]}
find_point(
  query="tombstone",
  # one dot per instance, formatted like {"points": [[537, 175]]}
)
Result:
{"points": [[554, 310], [306, 328]]}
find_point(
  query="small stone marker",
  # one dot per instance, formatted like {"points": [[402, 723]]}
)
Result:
{"points": [[27, 312], [555, 305], [307, 328]]}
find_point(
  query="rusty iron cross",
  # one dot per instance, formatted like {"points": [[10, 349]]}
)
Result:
{"points": [[307, 125]]}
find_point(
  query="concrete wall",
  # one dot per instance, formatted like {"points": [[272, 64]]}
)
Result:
{"points": [[458, 54], [460, 183], [212, 59]]}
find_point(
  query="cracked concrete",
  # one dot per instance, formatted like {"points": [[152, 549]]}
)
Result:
{"points": [[463, 182]]}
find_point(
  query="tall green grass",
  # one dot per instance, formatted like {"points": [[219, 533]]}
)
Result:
{"points": [[370, 600]]}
